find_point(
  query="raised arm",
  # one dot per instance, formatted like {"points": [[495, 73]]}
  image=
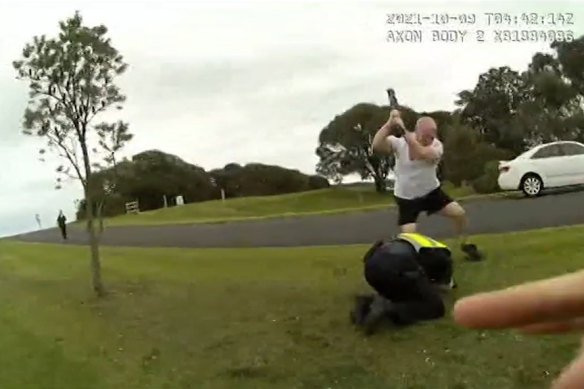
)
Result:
{"points": [[381, 144]]}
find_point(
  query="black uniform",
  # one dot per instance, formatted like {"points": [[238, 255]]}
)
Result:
{"points": [[405, 272], [62, 222]]}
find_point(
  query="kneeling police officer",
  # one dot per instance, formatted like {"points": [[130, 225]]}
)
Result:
{"points": [[409, 274]]}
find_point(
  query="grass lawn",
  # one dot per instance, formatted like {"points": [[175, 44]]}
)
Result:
{"points": [[257, 318], [334, 200]]}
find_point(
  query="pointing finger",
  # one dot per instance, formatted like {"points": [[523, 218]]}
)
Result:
{"points": [[555, 299], [555, 327]]}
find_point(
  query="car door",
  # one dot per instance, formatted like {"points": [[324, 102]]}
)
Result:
{"points": [[550, 164], [574, 155]]}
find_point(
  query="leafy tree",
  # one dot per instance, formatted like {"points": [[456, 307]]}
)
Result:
{"points": [[570, 55], [544, 103], [491, 105], [71, 82], [228, 179], [488, 181], [153, 174], [465, 155], [112, 137], [156, 174], [317, 182], [345, 145], [553, 109], [256, 179]]}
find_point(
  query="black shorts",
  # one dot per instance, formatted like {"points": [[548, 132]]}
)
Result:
{"points": [[433, 202]]}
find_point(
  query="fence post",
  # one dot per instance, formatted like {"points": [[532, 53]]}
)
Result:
{"points": [[132, 207]]}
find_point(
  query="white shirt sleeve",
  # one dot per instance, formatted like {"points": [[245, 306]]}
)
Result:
{"points": [[393, 142]]}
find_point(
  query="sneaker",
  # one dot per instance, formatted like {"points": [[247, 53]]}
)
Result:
{"points": [[472, 252]]}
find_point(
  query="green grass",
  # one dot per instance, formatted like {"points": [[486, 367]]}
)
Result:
{"points": [[257, 318], [334, 200]]}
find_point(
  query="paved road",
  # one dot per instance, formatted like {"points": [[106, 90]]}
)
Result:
{"points": [[486, 216]]}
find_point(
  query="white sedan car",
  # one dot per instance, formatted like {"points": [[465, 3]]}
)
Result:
{"points": [[549, 165]]}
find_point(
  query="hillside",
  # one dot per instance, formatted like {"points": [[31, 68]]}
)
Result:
{"points": [[155, 179], [332, 200]]}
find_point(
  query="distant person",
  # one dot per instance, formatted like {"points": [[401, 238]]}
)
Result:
{"points": [[417, 187], [554, 305], [38, 220], [409, 274], [62, 223]]}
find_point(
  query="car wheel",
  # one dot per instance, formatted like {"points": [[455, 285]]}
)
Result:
{"points": [[531, 185]]}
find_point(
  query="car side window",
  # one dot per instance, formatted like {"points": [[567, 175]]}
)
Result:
{"points": [[548, 152], [572, 149]]}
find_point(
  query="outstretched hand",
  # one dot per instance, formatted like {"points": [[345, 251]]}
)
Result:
{"points": [[555, 305]]}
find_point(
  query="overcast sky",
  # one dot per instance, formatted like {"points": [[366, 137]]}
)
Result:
{"points": [[215, 82]]}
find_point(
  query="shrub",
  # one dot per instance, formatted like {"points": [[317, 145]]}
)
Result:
{"points": [[317, 182], [487, 183], [466, 157]]}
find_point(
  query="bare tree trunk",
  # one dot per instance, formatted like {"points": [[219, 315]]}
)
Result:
{"points": [[93, 237], [94, 250], [100, 216]]}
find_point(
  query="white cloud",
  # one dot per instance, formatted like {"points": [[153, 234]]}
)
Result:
{"points": [[216, 82]]}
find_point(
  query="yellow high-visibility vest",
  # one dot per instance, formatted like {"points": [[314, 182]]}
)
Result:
{"points": [[419, 241]]}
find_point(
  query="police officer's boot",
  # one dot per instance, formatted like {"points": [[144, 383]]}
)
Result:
{"points": [[379, 309], [361, 308]]}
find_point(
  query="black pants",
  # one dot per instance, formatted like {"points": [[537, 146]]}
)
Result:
{"points": [[410, 209], [402, 282], [63, 229]]}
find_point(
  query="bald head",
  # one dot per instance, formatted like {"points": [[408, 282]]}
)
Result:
{"points": [[426, 125], [426, 129]]}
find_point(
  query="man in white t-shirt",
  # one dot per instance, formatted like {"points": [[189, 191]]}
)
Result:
{"points": [[417, 188]]}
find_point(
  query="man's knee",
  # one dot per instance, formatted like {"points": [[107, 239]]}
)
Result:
{"points": [[454, 211]]}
